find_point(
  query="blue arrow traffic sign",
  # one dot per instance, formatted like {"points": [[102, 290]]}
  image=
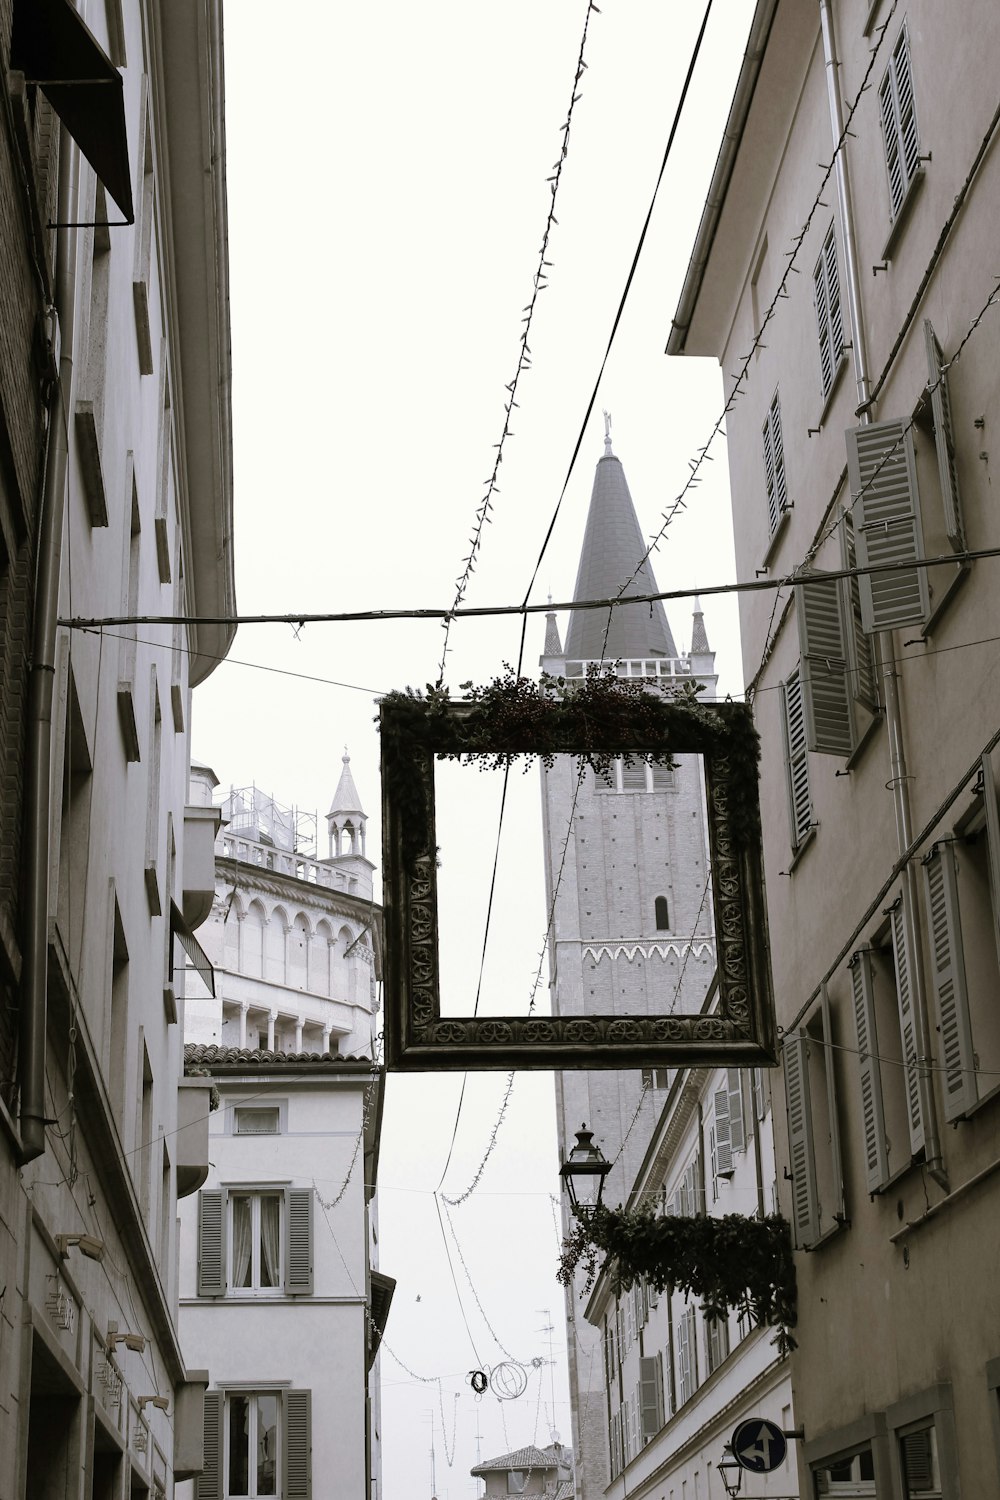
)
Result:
{"points": [[758, 1445]]}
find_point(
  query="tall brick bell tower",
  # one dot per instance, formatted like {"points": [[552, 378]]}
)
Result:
{"points": [[632, 930]]}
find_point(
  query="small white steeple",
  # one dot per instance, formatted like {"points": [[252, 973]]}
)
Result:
{"points": [[346, 821]]}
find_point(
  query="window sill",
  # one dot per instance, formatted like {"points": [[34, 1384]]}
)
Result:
{"points": [[905, 209], [806, 843], [826, 1236], [776, 535], [828, 399]]}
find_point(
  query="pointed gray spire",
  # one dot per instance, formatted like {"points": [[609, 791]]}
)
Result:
{"points": [[345, 798], [612, 548], [699, 635]]}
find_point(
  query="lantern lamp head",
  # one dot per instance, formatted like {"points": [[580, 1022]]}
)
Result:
{"points": [[584, 1173]]}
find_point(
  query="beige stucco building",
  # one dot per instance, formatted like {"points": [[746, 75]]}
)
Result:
{"points": [[281, 1298], [121, 214], [844, 276], [655, 1391]]}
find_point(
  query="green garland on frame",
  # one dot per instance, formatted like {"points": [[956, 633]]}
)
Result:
{"points": [[595, 718], [732, 1263]]}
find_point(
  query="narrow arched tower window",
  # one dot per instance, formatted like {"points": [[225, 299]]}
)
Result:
{"points": [[662, 915]]}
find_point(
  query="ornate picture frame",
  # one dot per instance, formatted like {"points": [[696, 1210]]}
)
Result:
{"points": [[740, 1029]]}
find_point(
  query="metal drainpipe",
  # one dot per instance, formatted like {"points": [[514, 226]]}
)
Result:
{"points": [[885, 647], [41, 683]]}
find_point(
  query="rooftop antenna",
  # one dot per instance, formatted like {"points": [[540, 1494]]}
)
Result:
{"points": [[548, 1328]]}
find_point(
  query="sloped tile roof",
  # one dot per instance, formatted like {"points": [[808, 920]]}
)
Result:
{"points": [[528, 1458], [231, 1058]]}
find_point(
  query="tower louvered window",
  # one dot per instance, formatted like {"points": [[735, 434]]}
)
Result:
{"points": [[899, 124], [796, 760], [775, 483], [829, 313]]}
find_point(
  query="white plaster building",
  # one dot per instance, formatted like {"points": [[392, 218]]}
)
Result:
{"points": [[99, 1135], [632, 933], [280, 1294], [862, 437]]}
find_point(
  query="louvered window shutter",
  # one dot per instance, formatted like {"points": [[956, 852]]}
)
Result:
{"points": [[826, 692], [899, 124], [916, 1451], [774, 467], [894, 167], [616, 1462], [297, 1446], [944, 440], [737, 1128], [211, 1243], [683, 1358], [834, 305], [299, 1260], [759, 1093], [948, 968], [723, 1148], [692, 1343], [859, 646], [208, 1485], [823, 325], [801, 1142], [651, 1393], [992, 842], [883, 479], [872, 1110], [902, 953], [796, 761]]}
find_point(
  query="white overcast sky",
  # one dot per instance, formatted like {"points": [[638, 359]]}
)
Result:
{"points": [[387, 196]]}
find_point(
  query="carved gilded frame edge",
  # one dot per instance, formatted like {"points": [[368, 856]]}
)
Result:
{"points": [[741, 1034]]}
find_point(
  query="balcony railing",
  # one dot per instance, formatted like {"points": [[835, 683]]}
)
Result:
{"points": [[282, 862], [656, 666]]}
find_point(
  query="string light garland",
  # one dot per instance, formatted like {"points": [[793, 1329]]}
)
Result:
{"points": [[539, 284]]}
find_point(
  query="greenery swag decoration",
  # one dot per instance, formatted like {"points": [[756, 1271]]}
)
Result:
{"points": [[730, 1263], [596, 718]]}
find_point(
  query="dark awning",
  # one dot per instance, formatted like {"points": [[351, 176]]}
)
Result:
{"points": [[198, 957], [53, 47], [382, 1290]]}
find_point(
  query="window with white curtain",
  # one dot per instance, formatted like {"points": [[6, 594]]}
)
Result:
{"points": [[255, 1242]]}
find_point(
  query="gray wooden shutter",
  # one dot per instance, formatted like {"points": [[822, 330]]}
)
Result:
{"points": [[826, 693], [916, 1452], [859, 646], [826, 365], [299, 1260], [992, 842], [692, 1343], [948, 969], [774, 466], [737, 1129], [211, 1243], [723, 1148], [208, 1485], [902, 953], [831, 1096], [872, 1110], [883, 479], [297, 1447], [907, 118], [836, 311], [796, 760], [801, 1143], [651, 1396], [944, 439]]}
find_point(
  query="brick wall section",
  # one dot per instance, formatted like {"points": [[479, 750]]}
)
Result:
{"points": [[24, 290]]}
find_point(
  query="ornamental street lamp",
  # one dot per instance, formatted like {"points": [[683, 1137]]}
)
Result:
{"points": [[584, 1174]]}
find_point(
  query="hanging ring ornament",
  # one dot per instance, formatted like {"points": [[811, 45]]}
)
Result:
{"points": [[508, 1381], [478, 1380]]}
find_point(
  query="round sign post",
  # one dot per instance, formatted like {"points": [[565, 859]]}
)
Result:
{"points": [[758, 1445]]}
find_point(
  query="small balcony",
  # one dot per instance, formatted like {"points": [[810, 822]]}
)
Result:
{"points": [[194, 1097]]}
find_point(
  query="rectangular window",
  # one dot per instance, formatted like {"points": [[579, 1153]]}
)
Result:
{"points": [[899, 124], [687, 1354], [774, 467], [852, 1477], [729, 1127], [891, 1110], [829, 313], [255, 1242], [130, 601], [800, 812], [651, 1395], [808, 1059], [152, 873], [656, 1078], [257, 1121], [143, 239], [257, 1443], [918, 1463], [255, 1262], [716, 1343], [88, 418]]}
